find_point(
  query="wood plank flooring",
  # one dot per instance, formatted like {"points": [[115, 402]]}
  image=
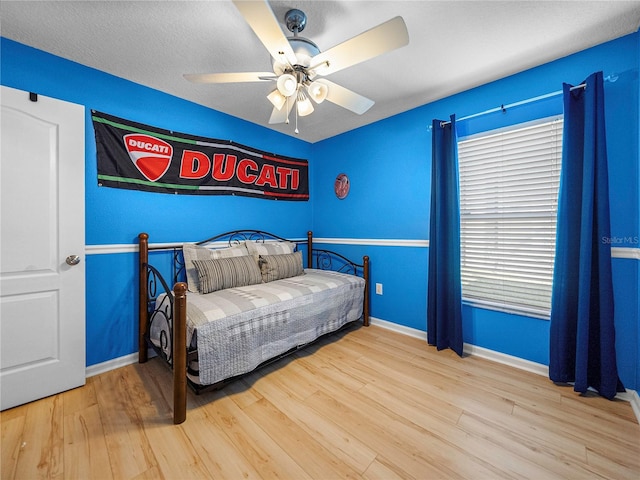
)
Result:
{"points": [[363, 404]]}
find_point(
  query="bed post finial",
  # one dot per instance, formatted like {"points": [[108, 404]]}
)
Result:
{"points": [[309, 249], [179, 353], [143, 260], [365, 274]]}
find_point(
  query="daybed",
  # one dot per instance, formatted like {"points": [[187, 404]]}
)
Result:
{"points": [[249, 301]]}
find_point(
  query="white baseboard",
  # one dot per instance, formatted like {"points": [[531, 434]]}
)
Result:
{"points": [[411, 332], [103, 367], [470, 349], [510, 360], [632, 397], [123, 361]]}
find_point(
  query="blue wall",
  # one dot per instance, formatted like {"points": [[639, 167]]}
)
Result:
{"points": [[636, 292], [115, 217], [389, 165]]}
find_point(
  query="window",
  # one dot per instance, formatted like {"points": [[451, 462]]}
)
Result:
{"points": [[509, 181]]}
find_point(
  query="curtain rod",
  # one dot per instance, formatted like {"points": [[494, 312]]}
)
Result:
{"points": [[503, 108]]}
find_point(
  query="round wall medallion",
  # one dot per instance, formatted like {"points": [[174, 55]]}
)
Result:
{"points": [[341, 186]]}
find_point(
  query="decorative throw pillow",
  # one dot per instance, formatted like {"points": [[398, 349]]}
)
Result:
{"points": [[269, 248], [191, 252], [275, 267], [227, 273]]}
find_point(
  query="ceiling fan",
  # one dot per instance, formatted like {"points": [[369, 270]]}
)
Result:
{"points": [[298, 62]]}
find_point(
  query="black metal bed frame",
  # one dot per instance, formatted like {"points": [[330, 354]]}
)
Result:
{"points": [[153, 285]]}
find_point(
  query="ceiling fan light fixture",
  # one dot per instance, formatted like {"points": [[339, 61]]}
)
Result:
{"points": [[304, 105], [287, 84], [277, 99], [318, 91], [297, 61]]}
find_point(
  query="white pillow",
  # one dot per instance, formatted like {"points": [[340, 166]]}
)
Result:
{"points": [[269, 248], [192, 252]]}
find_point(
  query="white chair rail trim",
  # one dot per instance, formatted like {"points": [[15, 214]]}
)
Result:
{"points": [[616, 252]]}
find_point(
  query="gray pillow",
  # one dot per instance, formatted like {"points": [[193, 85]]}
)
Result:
{"points": [[276, 267], [193, 252], [218, 274]]}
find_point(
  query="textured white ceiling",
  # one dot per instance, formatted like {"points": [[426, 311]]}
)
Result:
{"points": [[454, 45]]}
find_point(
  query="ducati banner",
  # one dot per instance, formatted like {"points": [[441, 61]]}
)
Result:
{"points": [[139, 157]]}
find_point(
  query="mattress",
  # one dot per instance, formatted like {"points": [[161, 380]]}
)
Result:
{"points": [[237, 329]]}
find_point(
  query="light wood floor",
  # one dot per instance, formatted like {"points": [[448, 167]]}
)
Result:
{"points": [[369, 403]]}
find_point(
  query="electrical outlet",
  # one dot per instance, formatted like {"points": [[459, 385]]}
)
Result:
{"points": [[378, 289]]}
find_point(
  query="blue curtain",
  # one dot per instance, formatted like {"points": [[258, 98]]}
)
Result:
{"points": [[444, 300], [582, 335]]}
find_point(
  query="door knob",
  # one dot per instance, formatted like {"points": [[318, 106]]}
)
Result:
{"points": [[73, 260]]}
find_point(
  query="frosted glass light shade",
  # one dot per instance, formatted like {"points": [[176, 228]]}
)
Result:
{"points": [[277, 99], [304, 105], [318, 91], [287, 84]]}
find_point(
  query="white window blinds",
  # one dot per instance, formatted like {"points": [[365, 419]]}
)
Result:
{"points": [[509, 183]]}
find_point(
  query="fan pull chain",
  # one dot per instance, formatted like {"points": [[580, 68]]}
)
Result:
{"points": [[296, 109], [287, 122]]}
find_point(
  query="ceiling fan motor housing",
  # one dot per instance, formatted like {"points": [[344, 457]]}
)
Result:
{"points": [[295, 20], [305, 49]]}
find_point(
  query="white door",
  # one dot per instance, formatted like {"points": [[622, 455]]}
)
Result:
{"points": [[42, 286]]}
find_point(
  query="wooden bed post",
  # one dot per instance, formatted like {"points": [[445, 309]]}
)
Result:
{"points": [[143, 260], [365, 274], [309, 249], [179, 353]]}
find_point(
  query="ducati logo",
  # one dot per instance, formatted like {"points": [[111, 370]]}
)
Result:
{"points": [[150, 155]]}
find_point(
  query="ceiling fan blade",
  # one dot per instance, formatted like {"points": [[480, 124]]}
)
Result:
{"points": [[230, 77], [280, 116], [263, 22], [346, 98], [385, 37]]}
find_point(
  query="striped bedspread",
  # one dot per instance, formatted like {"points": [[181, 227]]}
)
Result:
{"points": [[237, 329]]}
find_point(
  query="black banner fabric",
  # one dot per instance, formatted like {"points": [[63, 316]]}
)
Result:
{"points": [[139, 157]]}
